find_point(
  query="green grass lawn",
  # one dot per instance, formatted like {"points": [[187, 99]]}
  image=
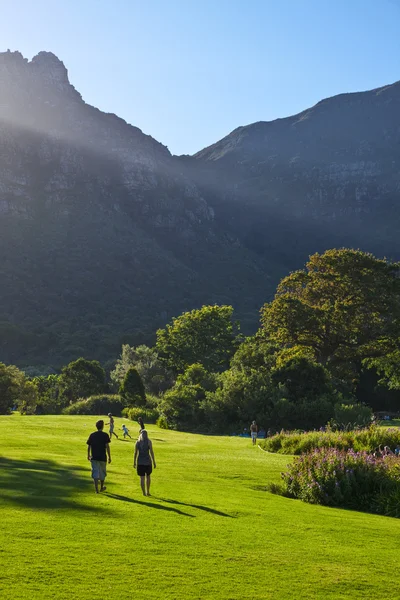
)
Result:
{"points": [[210, 530], [391, 423]]}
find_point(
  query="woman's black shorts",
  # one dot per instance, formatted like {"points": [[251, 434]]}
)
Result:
{"points": [[144, 470]]}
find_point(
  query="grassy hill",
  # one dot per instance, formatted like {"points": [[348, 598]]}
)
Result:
{"points": [[210, 530]]}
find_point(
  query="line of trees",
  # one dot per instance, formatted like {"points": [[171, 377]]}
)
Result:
{"points": [[328, 344]]}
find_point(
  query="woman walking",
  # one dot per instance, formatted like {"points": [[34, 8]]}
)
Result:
{"points": [[144, 459]]}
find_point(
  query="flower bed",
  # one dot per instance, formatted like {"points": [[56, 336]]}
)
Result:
{"points": [[345, 478], [368, 439]]}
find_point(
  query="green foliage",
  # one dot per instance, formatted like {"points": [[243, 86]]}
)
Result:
{"points": [[148, 414], [207, 335], [48, 395], [132, 388], [254, 353], [183, 405], [27, 398], [240, 398], [306, 395], [352, 415], [80, 379], [367, 439], [344, 307], [156, 377], [345, 478], [162, 422], [296, 394], [97, 405], [304, 414], [302, 378], [13, 386], [388, 367]]}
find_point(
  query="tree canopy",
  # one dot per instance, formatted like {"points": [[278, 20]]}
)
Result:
{"points": [[82, 378], [12, 382], [343, 307], [207, 335], [154, 373]]}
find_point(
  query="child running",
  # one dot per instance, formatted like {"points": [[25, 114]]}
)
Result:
{"points": [[126, 431], [111, 424], [144, 458]]}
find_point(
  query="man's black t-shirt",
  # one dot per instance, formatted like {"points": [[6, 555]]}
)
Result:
{"points": [[98, 441]]}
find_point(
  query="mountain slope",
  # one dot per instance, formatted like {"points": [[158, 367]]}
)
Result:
{"points": [[328, 176], [102, 236]]}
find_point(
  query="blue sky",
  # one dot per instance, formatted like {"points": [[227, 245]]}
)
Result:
{"points": [[187, 72]]}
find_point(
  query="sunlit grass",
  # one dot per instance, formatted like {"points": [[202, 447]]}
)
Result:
{"points": [[210, 530]]}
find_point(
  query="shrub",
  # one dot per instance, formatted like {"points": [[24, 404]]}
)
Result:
{"points": [[97, 405], [162, 422], [352, 415], [348, 479], [148, 414], [132, 388], [368, 439]]}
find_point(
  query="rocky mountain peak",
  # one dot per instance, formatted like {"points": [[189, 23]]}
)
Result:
{"points": [[50, 68]]}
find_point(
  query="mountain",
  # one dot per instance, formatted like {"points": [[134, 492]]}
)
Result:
{"points": [[104, 235], [328, 176]]}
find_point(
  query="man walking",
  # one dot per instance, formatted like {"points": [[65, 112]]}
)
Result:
{"points": [[98, 450], [254, 431]]}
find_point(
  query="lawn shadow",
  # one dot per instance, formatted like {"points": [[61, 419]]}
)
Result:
{"points": [[43, 484], [199, 506], [149, 504]]}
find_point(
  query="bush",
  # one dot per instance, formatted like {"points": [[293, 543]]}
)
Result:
{"points": [[368, 439], [345, 479], [162, 422], [352, 415], [97, 405], [148, 414]]}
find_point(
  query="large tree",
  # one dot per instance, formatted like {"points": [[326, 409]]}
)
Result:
{"points": [[81, 378], [342, 308], [154, 373], [207, 335]]}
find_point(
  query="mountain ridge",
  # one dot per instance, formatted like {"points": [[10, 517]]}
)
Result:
{"points": [[345, 96]]}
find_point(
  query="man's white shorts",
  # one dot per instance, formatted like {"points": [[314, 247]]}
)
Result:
{"points": [[254, 435], [99, 469]]}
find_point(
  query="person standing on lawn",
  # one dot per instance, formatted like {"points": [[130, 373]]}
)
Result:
{"points": [[253, 431], [144, 459], [98, 450]]}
